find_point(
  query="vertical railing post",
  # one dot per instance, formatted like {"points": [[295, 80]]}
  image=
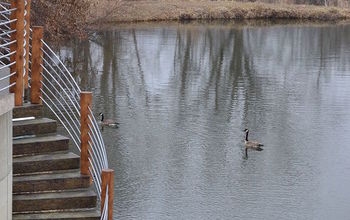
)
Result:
{"points": [[37, 69], [27, 28], [107, 177], [85, 104], [19, 48]]}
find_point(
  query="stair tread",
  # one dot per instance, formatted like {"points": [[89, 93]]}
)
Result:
{"points": [[27, 110], [46, 157], [38, 139], [56, 195], [39, 144], [49, 176], [35, 121], [28, 105], [34, 127], [60, 215]]}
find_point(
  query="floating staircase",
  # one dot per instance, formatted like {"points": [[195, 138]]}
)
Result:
{"points": [[47, 183]]}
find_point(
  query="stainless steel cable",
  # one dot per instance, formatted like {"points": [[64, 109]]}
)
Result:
{"points": [[100, 147], [60, 78], [45, 44], [68, 113], [99, 157], [7, 76], [65, 92], [24, 39], [73, 137], [7, 87], [60, 93], [54, 112]]}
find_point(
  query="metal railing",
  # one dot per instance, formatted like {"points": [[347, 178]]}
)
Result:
{"points": [[5, 44], [52, 84], [61, 94]]}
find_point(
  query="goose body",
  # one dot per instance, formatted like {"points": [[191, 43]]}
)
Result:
{"points": [[108, 122], [254, 145]]}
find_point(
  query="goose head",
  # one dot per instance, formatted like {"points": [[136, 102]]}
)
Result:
{"points": [[246, 135], [101, 115]]}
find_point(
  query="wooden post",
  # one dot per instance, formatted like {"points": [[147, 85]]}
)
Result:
{"points": [[18, 47], [85, 103], [37, 61], [27, 28], [107, 180]]}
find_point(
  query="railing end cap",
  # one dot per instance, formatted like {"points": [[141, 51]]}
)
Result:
{"points": [[107, 171]]}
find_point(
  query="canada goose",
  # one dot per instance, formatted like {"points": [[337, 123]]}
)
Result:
{"points": [[254, 145], [108, 122]]}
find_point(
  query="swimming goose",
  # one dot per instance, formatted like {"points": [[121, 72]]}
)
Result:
{"points": [[108, 122], [254, 145]]}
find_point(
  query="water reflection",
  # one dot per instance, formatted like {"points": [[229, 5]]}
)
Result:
{"points": [[183, 95]]}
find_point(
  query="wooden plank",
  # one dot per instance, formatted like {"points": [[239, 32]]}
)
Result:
{"points": [[37, 61], [85, 104], [19, 53], [107, 177]]}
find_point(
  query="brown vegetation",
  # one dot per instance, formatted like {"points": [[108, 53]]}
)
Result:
{"points": [[69, 18], [147, 10], [66, 18], [61, 18]]}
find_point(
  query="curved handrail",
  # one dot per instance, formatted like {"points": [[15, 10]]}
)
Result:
{"points": [[59, 92]]}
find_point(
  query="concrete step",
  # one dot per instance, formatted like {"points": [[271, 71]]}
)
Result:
{"points": [[40, 145], [64, 201], [46, 163], [34, 127], [50, 182], [28, 110], [77, 215]]}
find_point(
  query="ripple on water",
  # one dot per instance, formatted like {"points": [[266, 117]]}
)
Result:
{"points": [[183, 96]]}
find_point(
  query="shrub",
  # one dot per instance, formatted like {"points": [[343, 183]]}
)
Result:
{"points": [[61, 18]]}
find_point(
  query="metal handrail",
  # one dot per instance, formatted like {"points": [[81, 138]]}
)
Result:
{"points": [[60, 93], [24, 38], [104, 215], [5, 43]]}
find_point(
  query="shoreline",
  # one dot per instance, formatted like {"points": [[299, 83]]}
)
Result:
{"points": [[179, 10], [251, 23]]}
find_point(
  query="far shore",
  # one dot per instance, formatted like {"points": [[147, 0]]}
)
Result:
{"points": [[180, 10]]}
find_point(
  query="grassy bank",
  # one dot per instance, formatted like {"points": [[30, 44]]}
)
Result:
{"points": [[71, 18], [165, 10]]}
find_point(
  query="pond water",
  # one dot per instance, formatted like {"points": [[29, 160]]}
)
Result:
{"points": [[184, 93]]}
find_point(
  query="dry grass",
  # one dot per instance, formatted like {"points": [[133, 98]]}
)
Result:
{"points": [[101, 10], [164, 10], [70, 18]]}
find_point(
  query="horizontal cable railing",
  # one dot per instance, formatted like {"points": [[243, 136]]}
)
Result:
{"points": [[5, 44], [104, 215], [26, 57], [60, 93]]}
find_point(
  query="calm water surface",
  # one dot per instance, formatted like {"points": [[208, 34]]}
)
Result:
{"points": [[184, 93]]}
